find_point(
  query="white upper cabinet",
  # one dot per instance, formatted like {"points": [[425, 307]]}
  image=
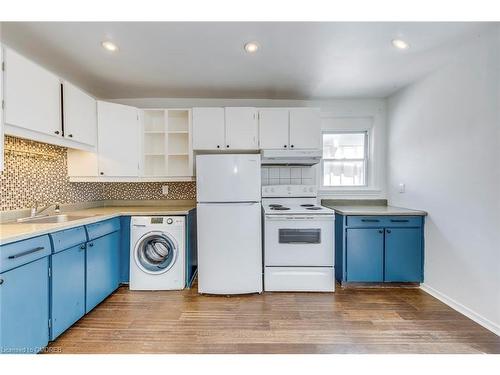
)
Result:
{"points": [[80, 115], [208, 128], [242, 130], [32, 96], [305, 128], [273, 128], [118, 140]]}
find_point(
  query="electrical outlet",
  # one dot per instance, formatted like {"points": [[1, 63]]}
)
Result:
{"points": [[164, 189], [402, 188]]}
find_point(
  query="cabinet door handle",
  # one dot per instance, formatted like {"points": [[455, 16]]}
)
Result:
{"points": [[101, 173], [227, 146], [370, 220], [82, 247], [57, 132], [218, 146], [284, 146], [388, 231], [91, 244], [399, 220], [381, 231], [1, 281], [70, 135], [291, 146], [26, 252]]}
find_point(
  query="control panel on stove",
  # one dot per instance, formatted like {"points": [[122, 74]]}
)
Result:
{"points": [[289, 191]]}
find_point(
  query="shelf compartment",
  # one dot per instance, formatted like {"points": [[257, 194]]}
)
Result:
{"points": [[154, 120], [178, 143], [178, 120], [154, 143], [178, 165], [155, 165]]}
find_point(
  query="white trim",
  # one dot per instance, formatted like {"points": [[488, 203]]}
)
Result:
{"points": [[464, 310]]}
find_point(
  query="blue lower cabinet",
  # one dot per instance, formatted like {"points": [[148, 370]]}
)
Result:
{"points": [[403, 255], [103, 268], [24, 307], [365, 255], [379, 248], [68, 288]]}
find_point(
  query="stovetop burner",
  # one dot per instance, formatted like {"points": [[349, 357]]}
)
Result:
{"points": [[313, 208], [280, 208], [307, 205]]}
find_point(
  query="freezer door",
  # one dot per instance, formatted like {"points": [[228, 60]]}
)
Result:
{"points": [[229, 248], [228, 178]]}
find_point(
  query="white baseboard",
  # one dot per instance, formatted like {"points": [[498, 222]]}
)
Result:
{"points": [[486, 323]]}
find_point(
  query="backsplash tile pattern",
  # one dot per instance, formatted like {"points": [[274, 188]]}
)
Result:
{"points": [[29, 179], [288, 175]]}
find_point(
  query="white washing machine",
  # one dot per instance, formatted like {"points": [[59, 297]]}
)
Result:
{"points": [[157, 252]]}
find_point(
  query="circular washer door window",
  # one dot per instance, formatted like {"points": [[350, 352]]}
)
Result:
{"points": [[155, 253]]}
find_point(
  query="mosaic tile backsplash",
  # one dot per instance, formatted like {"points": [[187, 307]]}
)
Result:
{"points": [[37, 172]]}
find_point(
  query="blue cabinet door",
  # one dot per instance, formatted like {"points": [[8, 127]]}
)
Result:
{"points": [[24, 308], [68, 288], [103, 268], [365, 254], [403, 255]]}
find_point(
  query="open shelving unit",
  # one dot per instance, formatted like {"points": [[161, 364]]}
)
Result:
{"points": [[167, 148]]}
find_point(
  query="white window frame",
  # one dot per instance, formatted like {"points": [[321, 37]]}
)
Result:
{"points": [[366, 160]]}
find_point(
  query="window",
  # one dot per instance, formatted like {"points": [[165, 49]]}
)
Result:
{"points": [[344, 158]]}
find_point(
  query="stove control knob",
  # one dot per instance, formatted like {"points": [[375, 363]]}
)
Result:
{"points": [[169, 221]]}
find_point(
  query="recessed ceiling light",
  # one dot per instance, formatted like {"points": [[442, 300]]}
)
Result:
{"points": [[400, 44], [110, 46], [251, 47]]}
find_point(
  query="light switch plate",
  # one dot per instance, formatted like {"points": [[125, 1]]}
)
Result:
{"points": [[402, 188], [164, 189]]}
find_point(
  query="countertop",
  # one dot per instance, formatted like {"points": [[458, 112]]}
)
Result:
{"points": [[11, 232], [374, 210]]}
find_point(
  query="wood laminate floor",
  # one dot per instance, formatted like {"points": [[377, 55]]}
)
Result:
{"points": [[353, 320]]}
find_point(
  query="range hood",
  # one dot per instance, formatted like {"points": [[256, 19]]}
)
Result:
{"points": [[291, 157]]}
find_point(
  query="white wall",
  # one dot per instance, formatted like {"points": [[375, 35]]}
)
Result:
{"points": [[333, 113], [444, 144]]}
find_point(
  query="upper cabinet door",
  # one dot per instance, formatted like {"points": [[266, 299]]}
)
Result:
{"points": [[208, 129], [80, 115], [32, 96], [118, 140], [242, 130], [273, 128], [305, 128]]}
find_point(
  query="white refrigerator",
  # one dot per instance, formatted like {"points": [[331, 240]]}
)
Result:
{"points": [[228, 192]]}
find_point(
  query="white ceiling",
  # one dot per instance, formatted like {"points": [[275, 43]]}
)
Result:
{"points": [[302, 60]]}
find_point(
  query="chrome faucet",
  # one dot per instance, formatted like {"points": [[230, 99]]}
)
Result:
{"points": [[36, 212]]}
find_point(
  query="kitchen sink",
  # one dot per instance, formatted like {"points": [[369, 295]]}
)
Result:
{"points": [[61, 218]]}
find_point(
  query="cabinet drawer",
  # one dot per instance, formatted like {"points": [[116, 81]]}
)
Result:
{"points": [[102, 228], [365, 221], [299, 279], [403, 221], [18, 253], [384, 221], [65, 239]]}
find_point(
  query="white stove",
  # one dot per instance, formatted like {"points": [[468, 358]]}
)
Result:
{"points": [[298, 240]]}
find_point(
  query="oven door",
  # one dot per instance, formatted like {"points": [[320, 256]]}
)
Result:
{"points": [[299, 240]]}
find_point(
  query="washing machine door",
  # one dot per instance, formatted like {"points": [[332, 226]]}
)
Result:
{"points": [[156, 252]]}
